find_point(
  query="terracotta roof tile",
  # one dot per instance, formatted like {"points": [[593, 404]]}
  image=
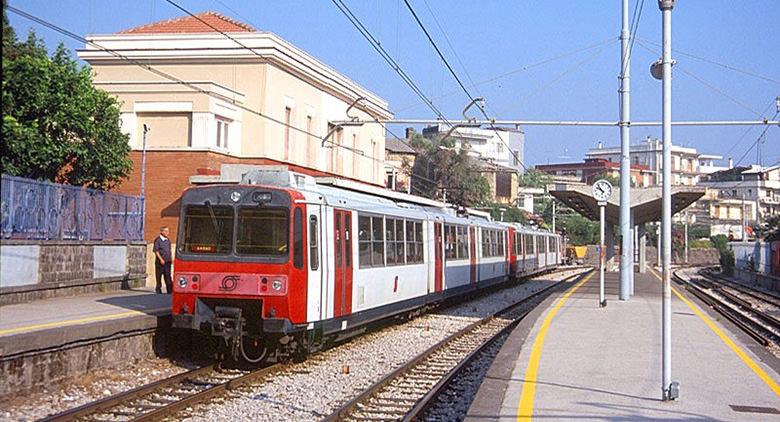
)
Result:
{"points": [[189, 24]]}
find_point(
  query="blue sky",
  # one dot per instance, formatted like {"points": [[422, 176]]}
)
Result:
{"points": [[494, 38]]}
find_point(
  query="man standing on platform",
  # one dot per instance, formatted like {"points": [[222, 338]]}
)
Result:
{"points": [[163, 261]]}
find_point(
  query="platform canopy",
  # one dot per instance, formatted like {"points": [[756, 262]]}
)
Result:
{"points": [[645, 202]]}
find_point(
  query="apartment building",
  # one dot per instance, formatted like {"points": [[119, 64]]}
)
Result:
{"points": [[487, 144], [210, 101], [593, 169], [688, 165]]}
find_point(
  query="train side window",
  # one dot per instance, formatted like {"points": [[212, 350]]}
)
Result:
{"points": [[298, 238], [390, 237], [463, 242], [414, 242], [348, 240], [450, 242], [314, 243], [364, 241], [378, 242]]}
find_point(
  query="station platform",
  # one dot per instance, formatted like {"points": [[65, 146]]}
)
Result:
{"points": [[571, 360], [57, 322]]}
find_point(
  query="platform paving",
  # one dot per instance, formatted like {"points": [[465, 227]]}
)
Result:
{"points": [[52, 322], [605, 363]]}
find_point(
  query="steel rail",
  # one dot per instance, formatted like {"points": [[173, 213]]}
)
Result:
{"points": [[758, 331], [119, 400], [125, 399], [424, 403], [353, 405], [765, 296]]}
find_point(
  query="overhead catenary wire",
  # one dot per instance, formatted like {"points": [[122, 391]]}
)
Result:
{"points": [[526, 67], [242, 45], [377, 46], [707, 84], [717, 63], [460, 83], [189, 85]]}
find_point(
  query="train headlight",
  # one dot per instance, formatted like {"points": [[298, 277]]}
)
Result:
{"points": [[277, 285], [182, 282]]}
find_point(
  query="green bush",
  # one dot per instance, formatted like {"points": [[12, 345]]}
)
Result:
{"points": [[721, 243], [700, 244], [727, 262]]}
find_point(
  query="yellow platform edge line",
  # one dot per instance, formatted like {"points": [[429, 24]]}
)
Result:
{"points": [[78, 321], [772, 384], [525, 407]]}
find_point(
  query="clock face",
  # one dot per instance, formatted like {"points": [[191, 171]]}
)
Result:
{"points": [[602, 190]]}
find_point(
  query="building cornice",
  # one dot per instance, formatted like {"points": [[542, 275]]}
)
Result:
{"points": [[266, 47]]}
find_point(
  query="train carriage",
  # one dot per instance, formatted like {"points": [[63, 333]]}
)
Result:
{"points": [[282, 263]]}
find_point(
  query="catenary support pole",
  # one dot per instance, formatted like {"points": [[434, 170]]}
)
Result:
{"points": [[625, 160], [669, 391]]}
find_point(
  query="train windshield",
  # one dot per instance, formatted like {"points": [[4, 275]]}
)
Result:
{"points": [[263, 231], [207, 229]]}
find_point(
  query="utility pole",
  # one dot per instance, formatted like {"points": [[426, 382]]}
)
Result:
{"points": [[626, 260], [744, 220], [686, 235], [143, 163], [669, 390], [143, 180], [553, 214]]}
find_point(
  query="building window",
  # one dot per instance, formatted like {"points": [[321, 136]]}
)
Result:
{"points": [[371, 241], [223, 131], [311, 149], [287, 134], [355, 156]]}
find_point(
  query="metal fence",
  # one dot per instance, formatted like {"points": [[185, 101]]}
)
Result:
{"points": [[37, 210]]}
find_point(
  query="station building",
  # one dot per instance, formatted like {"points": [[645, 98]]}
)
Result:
{"points": [[226, 103]]}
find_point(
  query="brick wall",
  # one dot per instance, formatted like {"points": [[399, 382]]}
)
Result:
{"points": [[168, 175]]}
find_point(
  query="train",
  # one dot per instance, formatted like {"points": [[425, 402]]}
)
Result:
{"points": [[277, 266]]}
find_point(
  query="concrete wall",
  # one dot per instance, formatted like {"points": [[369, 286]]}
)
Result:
{"points": [[760, 253], [39, 269]]}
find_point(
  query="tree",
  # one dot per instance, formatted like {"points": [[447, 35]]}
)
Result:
{"points": [[580, 230], [507, 213], [56, 125], [770, 230], [534, 178], [439, 168]]}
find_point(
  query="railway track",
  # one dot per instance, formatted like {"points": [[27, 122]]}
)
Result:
{"points": [[755, 312], [166, 397], [408, 391]]}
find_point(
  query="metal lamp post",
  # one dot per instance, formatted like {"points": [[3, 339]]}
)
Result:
{"points": [[670, 390]]}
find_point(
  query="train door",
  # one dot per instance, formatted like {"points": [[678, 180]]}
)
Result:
{"points": [[342, 248], [438, 276], [521, 238], [316, 308], [508, 251], [511, 247], [473, 253]]}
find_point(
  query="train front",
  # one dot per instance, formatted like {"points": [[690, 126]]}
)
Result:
{"points": [[239, 270]]}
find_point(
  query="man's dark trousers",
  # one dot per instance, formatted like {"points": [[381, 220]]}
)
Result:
{"points": [[163, 270]]}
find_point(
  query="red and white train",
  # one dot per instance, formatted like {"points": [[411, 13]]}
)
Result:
{"points": [[281, 263]]}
